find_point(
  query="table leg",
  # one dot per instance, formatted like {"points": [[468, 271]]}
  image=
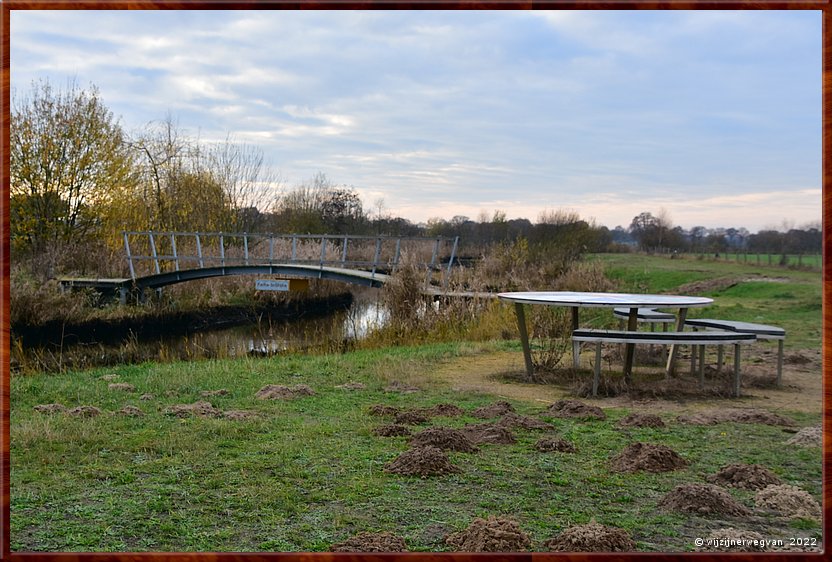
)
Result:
{"points": [[674, 349], [524, 339], [576, 346], [629, 354]]}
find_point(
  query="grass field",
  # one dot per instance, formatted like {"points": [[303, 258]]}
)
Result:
{"points": [[308, 472]]}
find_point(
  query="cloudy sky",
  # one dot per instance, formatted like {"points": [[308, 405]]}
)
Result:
{"points": [[713, 116]]}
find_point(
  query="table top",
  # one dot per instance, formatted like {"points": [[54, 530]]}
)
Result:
{"points": [[569, 298]]}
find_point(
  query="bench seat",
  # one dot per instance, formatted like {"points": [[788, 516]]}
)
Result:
{"points": [[762, 331], [701, 338]]}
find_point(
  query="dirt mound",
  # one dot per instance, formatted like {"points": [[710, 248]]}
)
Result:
{"points": [[404, 388], [493, 410], [647, 457], [111, 377], [280, 392], [210, 393], [511, 420], [303, 390], [444, 410], [50, 408], [490, 535], [807, 437], [549, 444], [733, 540], [702, 499], [422, 462], [796, 359], [146, 397], [382, 410], [788, 501], [592, 537], [707, 286], [745, 476], [351, 386], [130, 411], [444, 438], [371, 542], [391, 430], [199, 408], [84, 411], [239, 415], [488, 433], [637, 419], [410, 417], [735, 415], [122, 386], [575, 409]]}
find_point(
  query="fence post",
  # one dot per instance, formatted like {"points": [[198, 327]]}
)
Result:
{"points": [[376, 258], [294, 248], [245, 246], [323, 249], [153, 251], [199, 251], [129, 256], [344, 252]]}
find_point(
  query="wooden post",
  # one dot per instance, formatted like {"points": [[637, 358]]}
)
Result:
{"points": [[524, 339]]}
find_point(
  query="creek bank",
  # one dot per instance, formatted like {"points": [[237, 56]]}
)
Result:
{"points": [[166, 323]]}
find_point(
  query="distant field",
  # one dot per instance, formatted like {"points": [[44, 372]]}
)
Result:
{"points": [[789, 298]]}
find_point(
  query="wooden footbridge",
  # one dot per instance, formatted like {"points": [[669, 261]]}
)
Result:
{"points": [[158, 259]]}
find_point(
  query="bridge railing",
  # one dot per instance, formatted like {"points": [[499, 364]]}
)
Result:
{"points": [[150, 252]]}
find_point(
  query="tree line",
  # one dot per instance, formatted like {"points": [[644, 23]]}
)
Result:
{"points": [[78, 179]]}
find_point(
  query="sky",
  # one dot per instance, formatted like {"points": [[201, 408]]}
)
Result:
{"points": [[711, 117]]}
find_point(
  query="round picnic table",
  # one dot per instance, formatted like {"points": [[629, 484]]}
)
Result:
{"points": [[577, 300]]}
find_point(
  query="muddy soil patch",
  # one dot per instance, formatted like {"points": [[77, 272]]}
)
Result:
{"points": [[807, 437], [445, 438], [281, 392], [402, 387], [493, 410], [352, 386], [637, 419], [512, 420], [490, 535], [129, 411], [410, 417], [211, 393], [592, 537], [392, 430], [422, 462], [239, 415], [554, 444], [647, 457], [382, 410], [488, 433], [84, 411], [444, 410], [121, 386], [713, 417], [200, 408], [745, 476], [371, 542], [702, 499], [788, 501], [568, 408], [50, 408]]}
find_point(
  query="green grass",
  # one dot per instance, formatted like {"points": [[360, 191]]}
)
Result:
{"points": [[308, 472], [783, 297]]}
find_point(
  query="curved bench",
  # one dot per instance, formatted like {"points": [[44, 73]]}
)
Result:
{"points": [[645, 315], [666, 338], [762, 331]]}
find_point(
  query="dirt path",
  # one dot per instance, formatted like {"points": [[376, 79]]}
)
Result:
{"points": [[487, 373]]}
